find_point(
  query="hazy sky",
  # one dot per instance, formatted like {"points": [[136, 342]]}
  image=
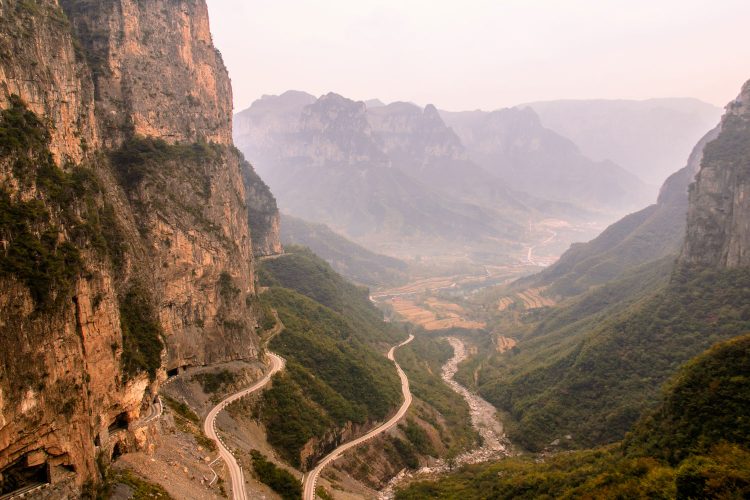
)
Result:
{"points": [[468, 54]]}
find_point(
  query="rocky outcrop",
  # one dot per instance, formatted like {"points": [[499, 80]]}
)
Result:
{"points": [[317, 448], [718, 228], [414, 137], [126, 246], [263, 215], [334, 130]]}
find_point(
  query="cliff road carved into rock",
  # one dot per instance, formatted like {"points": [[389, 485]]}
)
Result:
{"points": [[209, 426]]}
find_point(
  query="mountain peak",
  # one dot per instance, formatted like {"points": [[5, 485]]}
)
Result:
{"points": [[431, 111]]}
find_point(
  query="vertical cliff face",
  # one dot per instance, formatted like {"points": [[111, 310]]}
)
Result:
{"points": [[156, 71], [157, 77], [718, 230], [40, 62], [125, 237], [61, 345], [263, 214]]}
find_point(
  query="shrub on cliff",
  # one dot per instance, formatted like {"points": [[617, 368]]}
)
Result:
{"points": [[141, 333], [44, 234], [280, 480]]}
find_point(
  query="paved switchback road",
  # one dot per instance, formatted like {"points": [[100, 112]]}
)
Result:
{"points": [[209, 427], [311, 480]]}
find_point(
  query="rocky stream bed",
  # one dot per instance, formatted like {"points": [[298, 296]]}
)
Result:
{"points": [[494, 444]]}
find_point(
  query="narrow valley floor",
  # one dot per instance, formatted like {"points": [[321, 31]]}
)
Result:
{"points": [[494, 444]]}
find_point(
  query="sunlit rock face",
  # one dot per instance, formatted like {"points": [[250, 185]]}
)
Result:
{"points": [[120, 182]]}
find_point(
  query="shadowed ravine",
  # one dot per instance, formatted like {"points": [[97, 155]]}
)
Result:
{"points": [[494, 443]]}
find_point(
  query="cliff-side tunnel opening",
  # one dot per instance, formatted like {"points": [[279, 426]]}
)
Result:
{"points": [[117, 451], [120, 423], [20, 475], [173, 372]]}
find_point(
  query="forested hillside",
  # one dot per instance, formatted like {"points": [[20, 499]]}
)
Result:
{"points": [[585, 370], [592, 380], [351, 260], [695, 445], [338, 382]]}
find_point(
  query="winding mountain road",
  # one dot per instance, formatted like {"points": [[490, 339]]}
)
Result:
{"points": [[209, 427], [311, 480]]}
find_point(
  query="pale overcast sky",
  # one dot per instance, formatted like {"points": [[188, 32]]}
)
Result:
{"points": [[485, 54]]}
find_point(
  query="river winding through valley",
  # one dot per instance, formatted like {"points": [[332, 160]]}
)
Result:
{"points": [[494, 443]]}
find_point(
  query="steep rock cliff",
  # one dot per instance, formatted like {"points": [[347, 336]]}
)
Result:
{"points": [[263, 215], [126, 241], [40, 62], [60, 332], [163, 104], [156, 71], [718, 232]]}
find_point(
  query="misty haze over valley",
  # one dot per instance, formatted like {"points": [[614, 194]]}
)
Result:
{"points": [[374, 250]]}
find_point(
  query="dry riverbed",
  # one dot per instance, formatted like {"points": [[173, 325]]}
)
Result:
{"points": [[483, 417]]}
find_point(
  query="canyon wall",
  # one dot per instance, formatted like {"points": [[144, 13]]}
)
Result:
{"points": [[718, 231], [127, 222]]}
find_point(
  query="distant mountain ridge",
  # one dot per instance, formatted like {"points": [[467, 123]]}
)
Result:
{"points": [[331, 165], [647, 137], [512, 144], [397, 176]]}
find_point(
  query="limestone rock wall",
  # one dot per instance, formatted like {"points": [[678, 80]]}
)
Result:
{"points": [[718, 228], [117, 173], [155, 69], [42, 63], [263, 214]]}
